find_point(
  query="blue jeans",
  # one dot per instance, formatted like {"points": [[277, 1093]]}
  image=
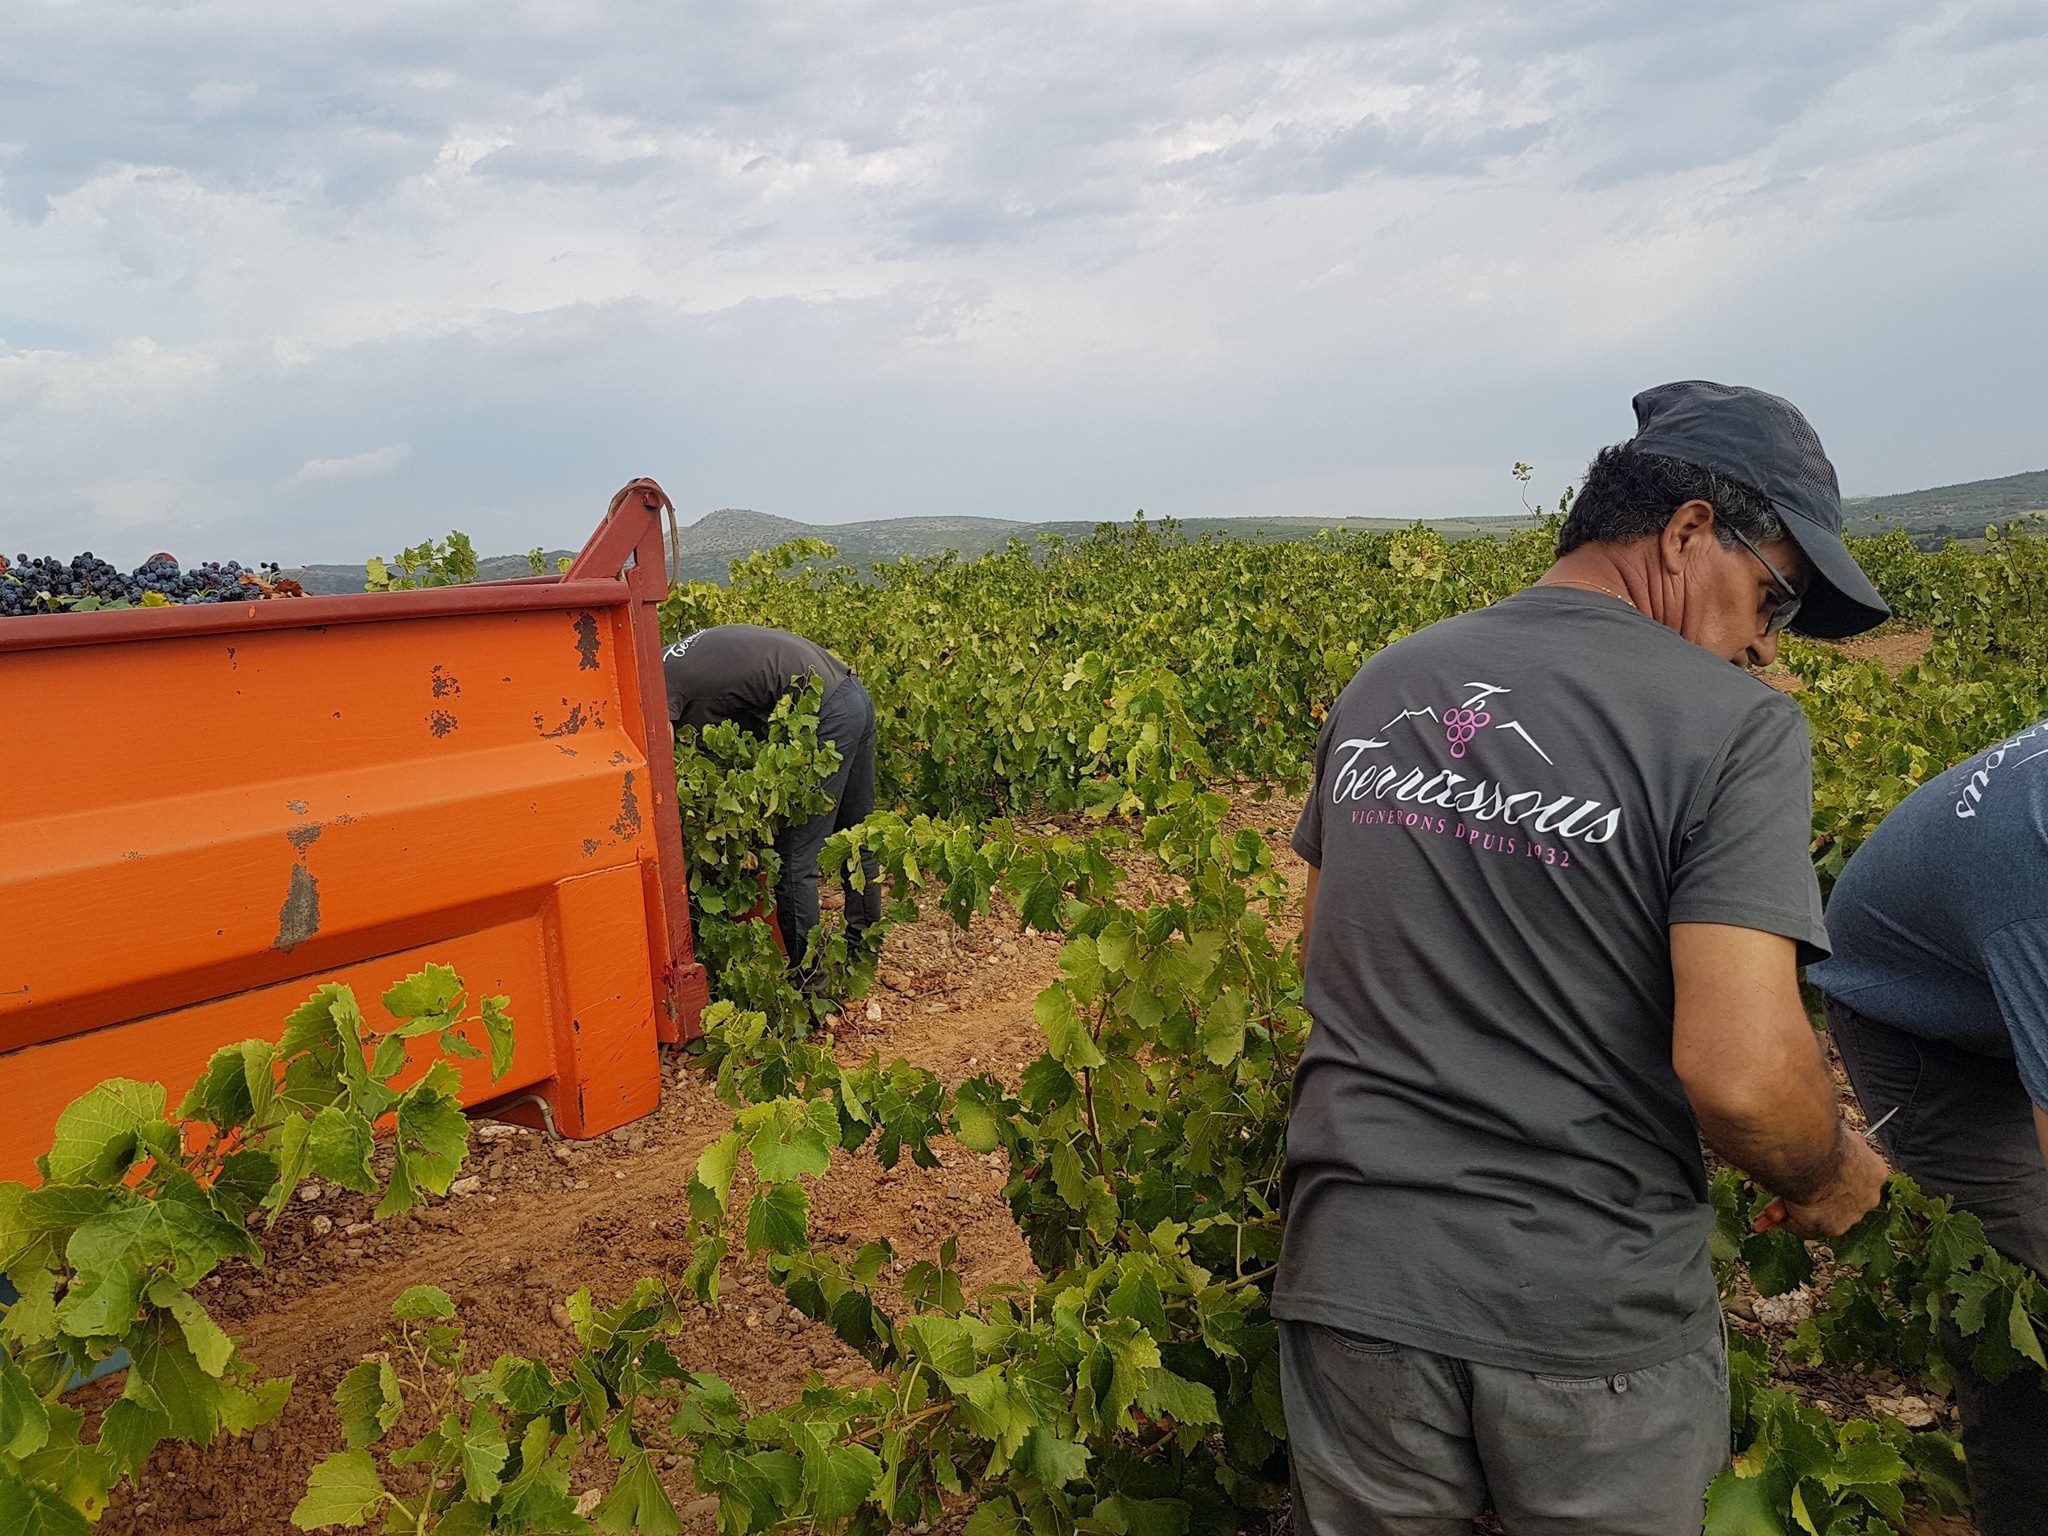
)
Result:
{"points": [[847, 720], [1964, 1128]]}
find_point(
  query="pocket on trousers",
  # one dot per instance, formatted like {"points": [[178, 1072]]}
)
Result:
{"points": [[1581, 1383], [1360, 1343]]}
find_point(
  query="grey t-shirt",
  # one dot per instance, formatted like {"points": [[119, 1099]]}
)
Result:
{"points": [[1940, 919], [1489, 1153], [741, 672]]}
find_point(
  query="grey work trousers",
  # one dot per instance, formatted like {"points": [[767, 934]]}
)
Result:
{"points": [[1964, 1128], [1389, 1440], [847, 720]]}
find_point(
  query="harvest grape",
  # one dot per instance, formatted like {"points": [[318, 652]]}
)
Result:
{"points": [[46, 584]]}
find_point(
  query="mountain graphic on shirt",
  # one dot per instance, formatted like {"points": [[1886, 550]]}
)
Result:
{"points": [[1482, 709]]}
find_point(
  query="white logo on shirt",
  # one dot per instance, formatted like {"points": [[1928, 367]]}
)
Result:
{"points": [[1569, 816], [1979, 781]]}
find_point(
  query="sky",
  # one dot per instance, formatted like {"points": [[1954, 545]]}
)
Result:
{"points": [[310, 282]]}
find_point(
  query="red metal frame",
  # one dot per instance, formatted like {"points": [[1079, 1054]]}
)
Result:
{"points": [[629, 542]]}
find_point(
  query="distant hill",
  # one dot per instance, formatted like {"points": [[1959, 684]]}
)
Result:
{"points": [[1960, 511], [327, 579], [718, 538]]}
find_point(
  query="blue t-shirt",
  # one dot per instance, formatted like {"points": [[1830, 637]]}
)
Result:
{"points": [[1940, 920]]}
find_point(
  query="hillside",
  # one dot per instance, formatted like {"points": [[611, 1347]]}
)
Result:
{"points": [[718, 538], [731, 532], [1959, 511]]}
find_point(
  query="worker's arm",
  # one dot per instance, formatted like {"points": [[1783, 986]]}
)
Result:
{"points": [[1308, 912], [1759, 1085]]}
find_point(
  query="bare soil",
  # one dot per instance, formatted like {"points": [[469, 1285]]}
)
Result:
{"points": [[550, 1217], [1894, 649], [553, 1216], [1897, 649]]}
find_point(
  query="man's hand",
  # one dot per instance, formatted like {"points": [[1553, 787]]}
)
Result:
{"points": [[1854, 1193], [1759, 1085]]}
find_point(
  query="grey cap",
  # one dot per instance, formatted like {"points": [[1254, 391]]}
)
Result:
{"points": [[1764, 442]]}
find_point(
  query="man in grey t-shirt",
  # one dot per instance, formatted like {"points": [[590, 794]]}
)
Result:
{"points": [[1560, 890]]}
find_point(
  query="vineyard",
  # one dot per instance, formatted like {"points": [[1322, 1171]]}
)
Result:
{"points": [[976, 1235]]}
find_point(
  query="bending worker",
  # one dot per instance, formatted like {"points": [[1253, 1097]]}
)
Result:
{"points": [[740, 672], [1938, 1000], [1560, 890]]}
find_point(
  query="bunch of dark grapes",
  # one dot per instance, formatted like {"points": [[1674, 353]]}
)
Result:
{"points": [[49, 585]]}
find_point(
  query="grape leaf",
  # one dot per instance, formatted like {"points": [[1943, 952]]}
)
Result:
{"points": [[371, 1402], [94, 1140], [24, 1423], [29, 1510], [1167, 1396], [433, 992], [637, 1502], [498, 1029], [338, 1148], [343, 1489], [838, 1478], [484, 1452], [778, 1219], [1742, 1506], [1066, 1037]]}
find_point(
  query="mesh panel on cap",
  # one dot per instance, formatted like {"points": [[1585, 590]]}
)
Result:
{"points": [[1813, 463]]}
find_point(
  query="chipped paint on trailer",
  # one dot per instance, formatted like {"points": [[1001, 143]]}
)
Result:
{"points": [[572, 724], [299, 918], [628, 822]]}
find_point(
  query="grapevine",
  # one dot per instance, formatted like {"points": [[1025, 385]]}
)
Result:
{"points": [[1118, 687], [138, 1203]]}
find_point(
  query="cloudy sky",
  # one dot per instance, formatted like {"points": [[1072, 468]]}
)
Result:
{"points": [[305, 282]]}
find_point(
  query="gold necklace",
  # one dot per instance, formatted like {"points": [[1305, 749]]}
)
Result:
{"points": [[1591, 586]]}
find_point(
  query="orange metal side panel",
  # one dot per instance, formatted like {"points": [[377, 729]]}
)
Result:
{"points": [[196, 828]]}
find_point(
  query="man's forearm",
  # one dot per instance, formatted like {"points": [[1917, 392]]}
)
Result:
{"points": [[1798, 1164]]}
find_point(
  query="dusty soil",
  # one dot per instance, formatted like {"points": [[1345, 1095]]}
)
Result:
{"points": [[553, 1216], [550, 1217], [1894, 649]]}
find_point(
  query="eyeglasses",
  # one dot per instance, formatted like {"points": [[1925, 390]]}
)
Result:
{"points": [[1788, 610]]}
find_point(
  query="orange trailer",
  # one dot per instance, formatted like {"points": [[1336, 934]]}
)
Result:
{"points": [[207, 811]]}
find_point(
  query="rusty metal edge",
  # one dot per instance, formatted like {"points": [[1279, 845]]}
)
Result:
{"points": [[52, 631]]}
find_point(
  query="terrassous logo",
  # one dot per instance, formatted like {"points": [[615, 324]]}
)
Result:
{"points": [[1357, 774], [1999, 757]]}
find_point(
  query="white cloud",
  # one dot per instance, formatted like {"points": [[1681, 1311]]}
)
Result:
{"points": [[1034, 257], [356, 466], [211, 96]]}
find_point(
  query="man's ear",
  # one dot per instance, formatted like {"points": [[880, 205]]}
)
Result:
{"points": [[1690, 526]]}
